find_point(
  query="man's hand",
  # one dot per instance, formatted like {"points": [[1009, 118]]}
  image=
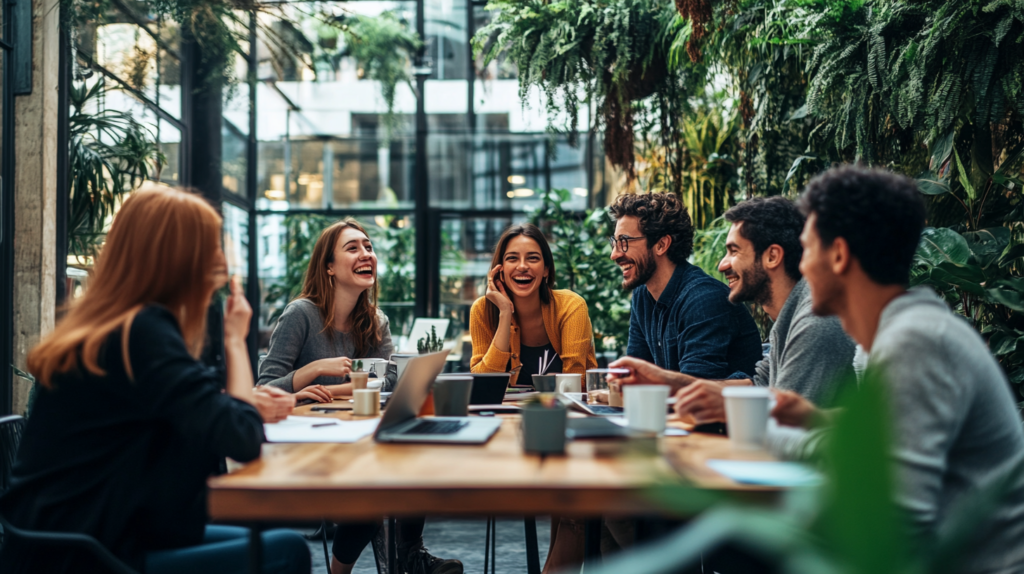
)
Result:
{"points": [[793, 410], [701, 401], [643, 373], [273, 404]]}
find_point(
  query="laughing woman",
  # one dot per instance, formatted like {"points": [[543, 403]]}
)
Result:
{"points": [[522, 315], [334, 320]]}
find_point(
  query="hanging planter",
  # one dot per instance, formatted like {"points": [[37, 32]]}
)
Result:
{"points": [[614, 51]]}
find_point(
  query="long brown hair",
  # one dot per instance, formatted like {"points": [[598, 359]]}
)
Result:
{"points": [[318, 287], [161, 249], [533, 232]]}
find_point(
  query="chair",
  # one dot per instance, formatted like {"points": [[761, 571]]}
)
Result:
{"points": [[380, 557], [491, 545], [11, 428]]}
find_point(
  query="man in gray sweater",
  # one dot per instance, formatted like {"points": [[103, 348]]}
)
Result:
{"points": [[809, 355], [956, 428]]}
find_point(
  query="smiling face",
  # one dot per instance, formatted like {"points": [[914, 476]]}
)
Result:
{"points": [[743, 269], [354, 263], [816, 267], [522, 267], [637, 263]]}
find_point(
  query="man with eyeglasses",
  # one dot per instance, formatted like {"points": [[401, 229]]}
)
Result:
{"points": [[681, 318]]}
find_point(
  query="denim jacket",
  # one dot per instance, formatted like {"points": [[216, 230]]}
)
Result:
{"points": [[693, 328]]}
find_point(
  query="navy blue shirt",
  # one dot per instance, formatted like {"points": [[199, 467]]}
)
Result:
{"points": [[693, 328]]}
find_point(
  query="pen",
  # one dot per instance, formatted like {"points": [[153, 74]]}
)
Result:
{"points": [[325, 424]]}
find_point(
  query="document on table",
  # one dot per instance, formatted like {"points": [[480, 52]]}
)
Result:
{"points": [[767, 473], [669, 431], [319, 429]]}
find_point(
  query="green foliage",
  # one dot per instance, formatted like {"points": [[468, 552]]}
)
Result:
{"points": [[709, 246], [110, 154], [583, 265], [382, 47], [576, 51], [431, 343]]}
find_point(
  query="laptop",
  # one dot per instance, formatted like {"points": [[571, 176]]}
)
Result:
{"points": [[421, 328], [400, 423]]}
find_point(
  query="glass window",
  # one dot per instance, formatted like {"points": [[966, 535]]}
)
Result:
{"points": [[236, 240]]}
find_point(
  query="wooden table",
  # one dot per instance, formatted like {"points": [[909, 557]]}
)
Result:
{"points": [[366, 480]]}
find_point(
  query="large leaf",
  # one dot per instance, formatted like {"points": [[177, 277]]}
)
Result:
{"points": [[988, 244], [939, 244], [965, 178], [931, 184], [968, 277], [1008, 292], [941, 150]]}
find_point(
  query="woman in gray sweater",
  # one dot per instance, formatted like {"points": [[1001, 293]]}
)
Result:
{"points": [[334, 320]]}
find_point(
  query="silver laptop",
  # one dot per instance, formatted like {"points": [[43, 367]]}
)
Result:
{"points": [[579, 402], [400, 423]]}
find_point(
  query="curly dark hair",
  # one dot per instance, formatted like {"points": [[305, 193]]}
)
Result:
{"points": [[771, 221], [659, 214], [878, 213]]}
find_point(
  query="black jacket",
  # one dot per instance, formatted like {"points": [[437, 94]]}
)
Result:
{"points": [[126, 461]]}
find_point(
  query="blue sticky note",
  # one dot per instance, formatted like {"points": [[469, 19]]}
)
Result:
{"points": [[767, 473]]}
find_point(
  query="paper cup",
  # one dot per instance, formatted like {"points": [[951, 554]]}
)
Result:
{"points": [[746, 411], [646, 407], [359, 379], [366, 402], [568, 383]]}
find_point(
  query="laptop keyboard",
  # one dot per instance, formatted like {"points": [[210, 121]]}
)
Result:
{"points": [[436, 427]]}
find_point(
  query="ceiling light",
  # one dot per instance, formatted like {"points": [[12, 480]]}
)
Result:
{"points": [[510, 194], [522, 192], [516, 179], [582, 192], [274, 194]]}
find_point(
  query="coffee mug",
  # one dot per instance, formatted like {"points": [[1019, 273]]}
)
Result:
{"points": [[377, 367], [359, 379], [544, 383], [746, 411], [366, 402], [451, 395], [567, 383]]}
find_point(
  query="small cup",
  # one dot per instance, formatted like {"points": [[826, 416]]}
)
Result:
{"points": [[451, 395], [543, 429], [359, 379], [746, 411], [597, 382], [567, 383], [646, 407], [366, 402], [376, 367], [544, 383]]}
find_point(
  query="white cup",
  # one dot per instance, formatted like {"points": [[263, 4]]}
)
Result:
{"points": [[746, 411], [378, 366], [568, 383], [366, 402], [646, 407]]}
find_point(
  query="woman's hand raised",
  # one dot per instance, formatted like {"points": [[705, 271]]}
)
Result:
{"points": [[237, 314], [496, 292]]}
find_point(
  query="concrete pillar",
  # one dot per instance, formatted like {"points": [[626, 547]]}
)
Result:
{"points": [[35, 194]]}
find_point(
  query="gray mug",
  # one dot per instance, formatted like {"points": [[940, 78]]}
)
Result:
{"points": [[544, 383], [451, 395], [544, 429]]}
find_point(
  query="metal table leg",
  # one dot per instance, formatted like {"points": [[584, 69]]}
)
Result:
{"points": [[255, 549], [392, 546], [532, 552], [592, 542]]}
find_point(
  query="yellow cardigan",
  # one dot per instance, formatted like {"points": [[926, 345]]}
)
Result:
{"points": [[565, 321]]}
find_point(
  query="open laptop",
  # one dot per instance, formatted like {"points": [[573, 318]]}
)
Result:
{"points": [[400, 423], [421, 328], [579, 402]]}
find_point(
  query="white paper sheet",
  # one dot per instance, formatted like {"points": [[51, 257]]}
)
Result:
{"points": [[767, 473], [302, 429]]}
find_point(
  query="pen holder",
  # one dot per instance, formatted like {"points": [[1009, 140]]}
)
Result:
{"points": [[543, 428]]}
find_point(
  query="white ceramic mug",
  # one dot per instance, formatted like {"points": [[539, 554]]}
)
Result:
{"points": [[646, 407], [568, 383], [746, 411], [378, 366]]}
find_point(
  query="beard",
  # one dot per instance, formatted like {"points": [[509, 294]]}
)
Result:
{"points": [[755, 286], [643, 270]]}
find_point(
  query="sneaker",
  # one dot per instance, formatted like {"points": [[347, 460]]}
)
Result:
{"points": [[418, 561]]}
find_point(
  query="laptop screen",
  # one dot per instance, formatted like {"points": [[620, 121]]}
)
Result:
{"points": [[411, 390]]}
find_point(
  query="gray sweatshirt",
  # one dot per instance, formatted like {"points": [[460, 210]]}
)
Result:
{"points": [[298, 340], [956, 428], [810, 355]]}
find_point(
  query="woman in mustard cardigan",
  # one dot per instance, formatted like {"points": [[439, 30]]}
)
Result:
{"points": [[522, 315]]}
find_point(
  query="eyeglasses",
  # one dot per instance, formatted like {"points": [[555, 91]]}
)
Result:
{"points": [[622, 242]]}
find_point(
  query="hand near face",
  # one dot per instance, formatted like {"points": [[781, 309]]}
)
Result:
{"points": [[793, 410], [496, 291], [273, 404], [701, 401], [318, 393], [237, 313]]}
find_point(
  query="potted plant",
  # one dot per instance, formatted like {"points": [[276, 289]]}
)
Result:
{"points": [[431, 343]]}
